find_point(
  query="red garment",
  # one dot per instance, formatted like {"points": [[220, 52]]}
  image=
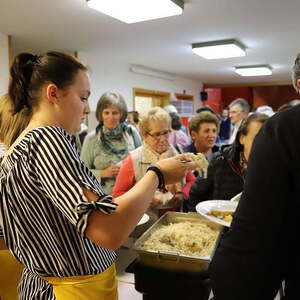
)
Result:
{"points": [[126, 180]]}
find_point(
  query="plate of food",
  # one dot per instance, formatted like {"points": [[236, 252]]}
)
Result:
{"points": [[218, 211], [143, 220]]}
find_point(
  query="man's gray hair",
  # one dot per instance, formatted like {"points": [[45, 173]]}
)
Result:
{"points": [[242, 102], [296, 73]]}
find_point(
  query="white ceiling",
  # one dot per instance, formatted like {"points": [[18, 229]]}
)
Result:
{"points": [[268, 28]]}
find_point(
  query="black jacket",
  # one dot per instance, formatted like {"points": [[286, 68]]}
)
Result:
{"points": [[224, 179], [260, 249]]}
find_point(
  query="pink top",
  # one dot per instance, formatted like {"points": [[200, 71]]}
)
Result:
{"points": [[179, 137]]}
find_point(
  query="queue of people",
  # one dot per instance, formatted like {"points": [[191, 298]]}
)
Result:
{"points": [[227, 170], [68, 201]]}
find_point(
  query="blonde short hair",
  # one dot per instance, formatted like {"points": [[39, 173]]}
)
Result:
{"points": [[153, 114], [11, 125]]}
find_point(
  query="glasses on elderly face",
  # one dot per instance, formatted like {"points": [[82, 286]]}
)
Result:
{"points": [[234, 112], [157, 135]]}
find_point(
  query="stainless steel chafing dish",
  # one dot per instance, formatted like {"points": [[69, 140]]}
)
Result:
{"points": [[170, 260]]}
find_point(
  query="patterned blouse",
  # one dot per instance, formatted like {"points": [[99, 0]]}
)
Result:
{"points": [[103, 148], [44, 211]]}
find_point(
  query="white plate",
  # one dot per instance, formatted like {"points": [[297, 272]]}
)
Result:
{"points": [[143, 220], [236, 197], [203, 208]]}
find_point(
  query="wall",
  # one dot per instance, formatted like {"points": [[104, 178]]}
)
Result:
{"points": [[274, 96], [214, 99], [230, 94], [109, 73], [219, 98], [4, 63]]}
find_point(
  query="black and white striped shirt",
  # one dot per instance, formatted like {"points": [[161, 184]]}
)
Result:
{"points": [[40, 190]]}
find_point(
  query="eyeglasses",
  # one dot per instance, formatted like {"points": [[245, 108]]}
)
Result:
{"points": [[157, 135], [234, 112]]}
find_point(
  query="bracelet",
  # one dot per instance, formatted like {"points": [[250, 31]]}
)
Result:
{"points": [[160, 176]]}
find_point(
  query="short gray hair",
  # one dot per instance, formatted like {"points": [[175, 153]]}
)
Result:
{"points": [[296, 73], [109, 99], [242, 103]]}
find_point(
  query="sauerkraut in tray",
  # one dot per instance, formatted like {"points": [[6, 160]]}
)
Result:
{"points": [[187, 238]]}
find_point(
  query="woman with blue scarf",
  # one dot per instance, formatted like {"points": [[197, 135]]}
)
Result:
{"points": [[105, 147]]}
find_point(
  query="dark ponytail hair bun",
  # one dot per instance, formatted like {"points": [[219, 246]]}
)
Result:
{"points": [[29, 72], [20, 74]]}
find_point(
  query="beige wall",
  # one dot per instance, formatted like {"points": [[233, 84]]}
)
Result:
{"points": [[4, 63], [92, 121]]}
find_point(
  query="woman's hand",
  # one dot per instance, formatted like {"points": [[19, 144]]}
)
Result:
{"points": [[155, 202], [110, 172], [177, 200], [174, 187], [175, 168]]}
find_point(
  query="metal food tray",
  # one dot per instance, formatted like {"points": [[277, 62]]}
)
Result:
{"points": [[170, 260]]}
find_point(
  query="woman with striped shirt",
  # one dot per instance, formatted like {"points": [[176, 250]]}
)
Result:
{"points": [[57, 220]]}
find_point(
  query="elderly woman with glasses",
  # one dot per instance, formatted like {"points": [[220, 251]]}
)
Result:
{"points": [[155, 127], [104, 148]]}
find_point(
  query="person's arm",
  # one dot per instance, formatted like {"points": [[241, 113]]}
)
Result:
{"points": [[253, 255], [110, 231], [69, 185], [2, 243], [125, 179]]}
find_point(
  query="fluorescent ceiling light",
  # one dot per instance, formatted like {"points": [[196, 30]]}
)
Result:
{"points": [[219, 49], [152, 72], [132, 11], [259, 70]]}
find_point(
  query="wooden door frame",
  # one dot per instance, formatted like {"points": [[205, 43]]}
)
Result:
{"points": [[147, 93]]}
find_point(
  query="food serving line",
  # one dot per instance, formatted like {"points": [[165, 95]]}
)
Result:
{"points": [[171, 274], [166, 275]]}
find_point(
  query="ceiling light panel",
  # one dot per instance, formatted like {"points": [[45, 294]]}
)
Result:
{"points": [[132, 11], [259, 70], [219, 49]]}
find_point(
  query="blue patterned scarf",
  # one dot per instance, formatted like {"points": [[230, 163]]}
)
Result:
{"points": [[117, 134]]}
